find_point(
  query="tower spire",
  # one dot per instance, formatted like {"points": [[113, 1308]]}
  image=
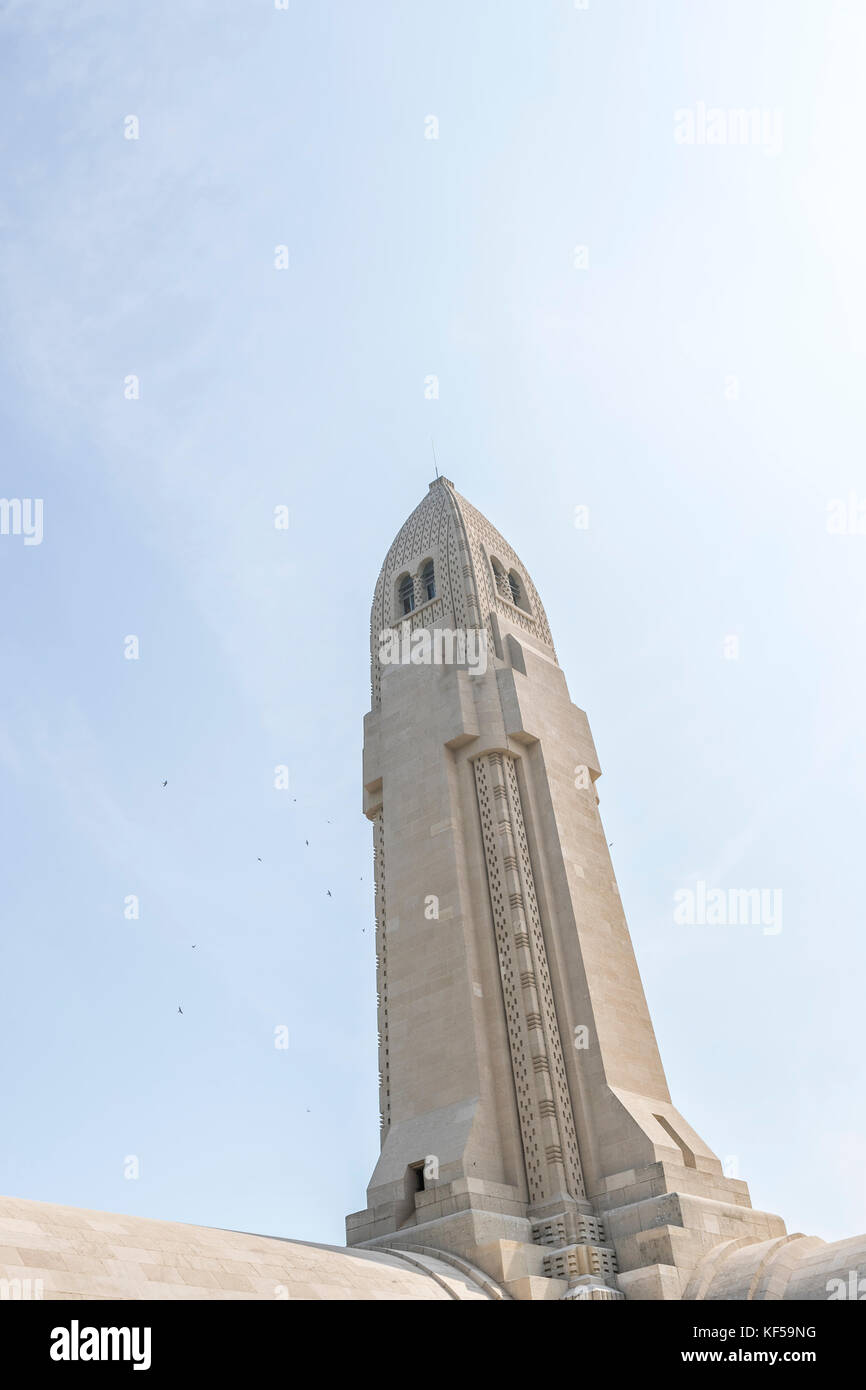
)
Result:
{"points": [[526, 1123]]}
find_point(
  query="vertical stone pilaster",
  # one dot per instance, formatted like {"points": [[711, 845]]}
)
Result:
{"points": [[382, 973], [544, 1105]]}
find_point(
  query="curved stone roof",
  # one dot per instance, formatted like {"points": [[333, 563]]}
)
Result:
{"points": [[793, 1267], [79, 1254], [448, 530]]}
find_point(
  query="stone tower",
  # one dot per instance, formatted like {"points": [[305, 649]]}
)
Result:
{"points": [[526, 1123], [530, 1149]]}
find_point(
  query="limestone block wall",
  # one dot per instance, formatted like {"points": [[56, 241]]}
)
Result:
{"points": [[58, 1252]]}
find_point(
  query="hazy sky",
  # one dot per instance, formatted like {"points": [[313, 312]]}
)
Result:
{"points": [[694, 377]]}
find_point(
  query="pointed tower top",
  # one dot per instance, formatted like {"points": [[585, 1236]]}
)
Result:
{"points": [[477, 580]]}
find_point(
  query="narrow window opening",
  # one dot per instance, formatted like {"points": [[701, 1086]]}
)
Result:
{"points": [[499, 576], [406, 594], [428, 580]]}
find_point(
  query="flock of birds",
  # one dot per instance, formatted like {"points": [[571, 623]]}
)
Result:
{"points": [[261, 861]]}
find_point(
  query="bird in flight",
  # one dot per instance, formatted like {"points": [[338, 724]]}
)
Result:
{"points": [[329, 892], [193, 945], [165, 783], [259, 858], [179, 1009], [306, 842]]}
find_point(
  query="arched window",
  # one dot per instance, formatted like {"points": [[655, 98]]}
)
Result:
{"points": [[501, 581], [516, 591], [406, 594], [428, 581]]}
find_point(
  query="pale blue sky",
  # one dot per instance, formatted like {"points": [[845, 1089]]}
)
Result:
{"points": [[603, 386]]}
